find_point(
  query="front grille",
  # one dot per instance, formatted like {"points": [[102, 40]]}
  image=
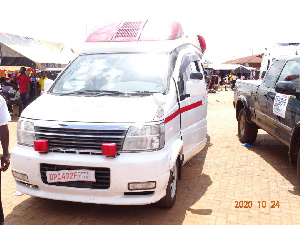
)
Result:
{"points": [[102, 176], [80, 141]]}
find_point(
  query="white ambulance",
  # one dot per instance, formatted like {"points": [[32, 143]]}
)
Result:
{"points": [[120, 120]]}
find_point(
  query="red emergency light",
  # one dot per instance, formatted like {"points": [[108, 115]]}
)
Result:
{"points": [[147, 30], [109, 149], [202, 43], [41, 146]]}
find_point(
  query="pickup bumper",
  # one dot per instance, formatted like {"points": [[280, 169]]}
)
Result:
{"points": [[124, 169]]}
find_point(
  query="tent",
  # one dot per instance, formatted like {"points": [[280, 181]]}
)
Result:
{"points": [[24, 51], [220, 66], [242, 69]]}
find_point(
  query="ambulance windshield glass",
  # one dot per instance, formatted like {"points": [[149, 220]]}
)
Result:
{"points": [[124, 73]]}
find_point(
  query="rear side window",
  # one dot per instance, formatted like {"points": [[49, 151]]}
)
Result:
{"points": [[272, 73], [291, 72]]}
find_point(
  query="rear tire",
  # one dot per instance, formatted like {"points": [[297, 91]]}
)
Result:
{"points": [[247, 132], [298, 168], [169, 200], [294, 155]]}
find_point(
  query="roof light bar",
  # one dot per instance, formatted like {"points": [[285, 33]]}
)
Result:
{"points": [[147, 30]]}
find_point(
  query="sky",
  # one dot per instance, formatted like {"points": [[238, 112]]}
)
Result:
{"points": [[231, 28]]}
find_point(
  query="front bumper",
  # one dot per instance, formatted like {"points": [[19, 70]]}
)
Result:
{"points": [[125, 168]]}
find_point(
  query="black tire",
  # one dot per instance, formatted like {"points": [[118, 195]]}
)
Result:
{"points": [[169, 200], [294, 155], [247, 132], [298, 168]]}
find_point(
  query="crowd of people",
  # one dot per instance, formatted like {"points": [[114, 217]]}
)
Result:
{"points": [[22, 87], [215, 80]]}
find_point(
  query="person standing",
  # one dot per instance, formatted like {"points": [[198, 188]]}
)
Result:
{"points": [[42, 80], [4, 137], [24, 84], [234, 78], [13, 96]]}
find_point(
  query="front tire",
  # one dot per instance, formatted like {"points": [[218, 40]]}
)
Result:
{"points": [[247, 132], [171, 191]]}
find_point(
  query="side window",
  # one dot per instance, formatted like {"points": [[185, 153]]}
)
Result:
{"points": [[272, 73], [194, 67], [188, 66], [183, 77], [291, 72], [197, 70]]}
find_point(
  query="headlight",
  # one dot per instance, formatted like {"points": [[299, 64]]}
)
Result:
{"points": [[25, 133], [145, 137]]}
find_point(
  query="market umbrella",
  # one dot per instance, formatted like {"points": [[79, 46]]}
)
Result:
{"points": [[241, 69]]}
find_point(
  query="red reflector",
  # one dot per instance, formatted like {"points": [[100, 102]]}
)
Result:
{"points": [[202, 43], [41, 145], [109, 149]]}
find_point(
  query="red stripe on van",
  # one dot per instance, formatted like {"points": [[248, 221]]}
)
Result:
{"points": [[183, 109]]}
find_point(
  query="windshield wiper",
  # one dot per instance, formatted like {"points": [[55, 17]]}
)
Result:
{"points": [[143, 92], [105, 92], [93, 92], [74, 92]]}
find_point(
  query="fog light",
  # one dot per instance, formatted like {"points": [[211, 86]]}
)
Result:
{"points": [[41, 145], [142, 185], [20, 176]]}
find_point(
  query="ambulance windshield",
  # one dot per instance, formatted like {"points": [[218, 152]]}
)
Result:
{"points": [[122, 73]]}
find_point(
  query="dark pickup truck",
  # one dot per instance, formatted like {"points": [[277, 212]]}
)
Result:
{"points": [[272, 104]]}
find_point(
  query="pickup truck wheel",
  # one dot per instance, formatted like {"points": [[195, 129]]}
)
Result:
{"points": [[247, 132], [298, 168], [294, 157], [169, 200]]}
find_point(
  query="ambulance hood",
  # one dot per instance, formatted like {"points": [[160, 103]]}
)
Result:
{"points": [[92, 109]]}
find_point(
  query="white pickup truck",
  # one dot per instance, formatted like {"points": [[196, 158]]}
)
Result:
{"points": [[120, 120]]}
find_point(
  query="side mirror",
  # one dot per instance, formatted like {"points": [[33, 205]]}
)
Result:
{"points": [[285, 87], [195, 88], [198, 76]]}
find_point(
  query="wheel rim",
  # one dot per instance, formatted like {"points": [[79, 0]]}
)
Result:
{"points": [[174, 181], [242, 126]]}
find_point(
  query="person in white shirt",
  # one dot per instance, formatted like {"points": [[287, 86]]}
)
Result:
{"points": [[4, 137], [13, 96], [234, 78]]}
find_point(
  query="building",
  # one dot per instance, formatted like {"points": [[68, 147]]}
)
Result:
{"points": [[250, 61]]}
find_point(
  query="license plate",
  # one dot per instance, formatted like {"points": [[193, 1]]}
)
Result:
{"points": [[70, 175]]}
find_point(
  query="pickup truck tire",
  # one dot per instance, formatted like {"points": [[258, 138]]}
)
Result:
{"points": [[247, 132], [294, 156], [169, 200], [298, 167]]}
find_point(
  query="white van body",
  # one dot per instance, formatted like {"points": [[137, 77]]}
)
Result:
{"points": [[278, 50], [157, 120]]}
